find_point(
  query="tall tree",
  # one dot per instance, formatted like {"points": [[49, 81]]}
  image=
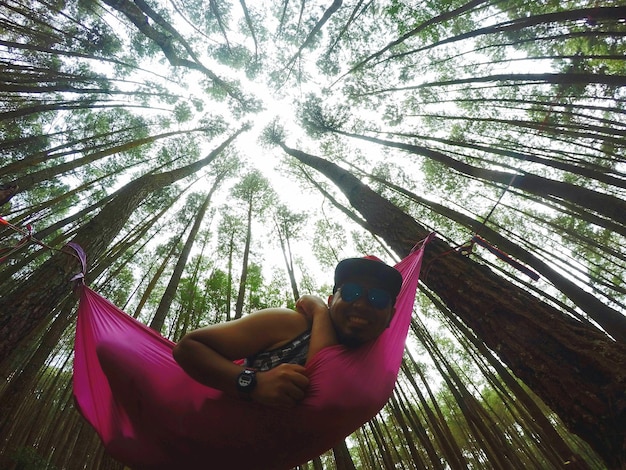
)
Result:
{"points": [[158, 320], [288, 224], [257, 195], [231, 232]]}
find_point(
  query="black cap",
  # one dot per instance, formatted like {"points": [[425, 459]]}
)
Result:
{"points": [[389, 278]]}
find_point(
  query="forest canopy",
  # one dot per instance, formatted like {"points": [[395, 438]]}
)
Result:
{"points": [[216, 157]]}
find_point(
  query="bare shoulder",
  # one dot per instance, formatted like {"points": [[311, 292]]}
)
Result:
{"points": [[283, 323], [277, 312], [283, 319]]}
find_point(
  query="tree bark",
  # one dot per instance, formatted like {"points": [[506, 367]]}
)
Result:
{"points": [[157, 275], [244, 269], [608, 206], [343, 459]]}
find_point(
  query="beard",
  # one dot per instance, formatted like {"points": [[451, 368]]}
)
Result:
{"points": [[348, 340]]}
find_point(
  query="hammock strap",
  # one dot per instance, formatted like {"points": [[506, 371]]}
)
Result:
{"points": [[82, 257], [505, 257], [28, 237]]}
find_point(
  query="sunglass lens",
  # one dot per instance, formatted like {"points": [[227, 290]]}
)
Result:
{"points": [[350, 292], [378, 298]]}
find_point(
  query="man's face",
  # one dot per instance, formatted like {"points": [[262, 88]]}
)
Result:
{"points": [[360, 316]]}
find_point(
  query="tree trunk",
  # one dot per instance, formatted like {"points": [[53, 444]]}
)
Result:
{"points": [[157, 275], [229, 287], [170, 291], [609, 206], [244, 269], [22, 381], [138, 12], [285, 248], [343, 459], [517, 24]]}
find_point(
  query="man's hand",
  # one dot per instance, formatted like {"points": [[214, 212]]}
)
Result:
{"points": [[311, 306], [283, 386]]}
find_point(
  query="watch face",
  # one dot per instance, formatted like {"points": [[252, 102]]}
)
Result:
{"points": [[245, 380]]}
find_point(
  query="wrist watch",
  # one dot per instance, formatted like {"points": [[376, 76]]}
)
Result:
{"points": [[246, 381]]}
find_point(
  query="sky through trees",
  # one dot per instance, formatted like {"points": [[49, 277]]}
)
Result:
{"points": [[140, 128]]}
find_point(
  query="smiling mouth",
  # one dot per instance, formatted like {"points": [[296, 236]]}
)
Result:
{"points": [[358, 320]]}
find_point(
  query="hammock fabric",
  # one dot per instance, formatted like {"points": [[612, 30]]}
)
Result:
{"points": [[150, 414]]}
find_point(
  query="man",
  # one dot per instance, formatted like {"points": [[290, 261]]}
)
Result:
{"points": [[278, 342]]}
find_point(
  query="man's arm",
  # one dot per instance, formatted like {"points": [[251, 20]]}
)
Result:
{"points": [[322, 331], [207, 355]]}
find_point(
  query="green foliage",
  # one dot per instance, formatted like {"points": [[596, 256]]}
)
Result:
{"points": [[273, 134], [237, 57], [289, 223], [500, 86], [255, 191], [119, 287], [318, 119], [23, 137], [216, 287], [182, 112], [328, 239]]}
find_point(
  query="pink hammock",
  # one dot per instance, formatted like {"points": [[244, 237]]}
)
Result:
{"points": [[151, 415]]}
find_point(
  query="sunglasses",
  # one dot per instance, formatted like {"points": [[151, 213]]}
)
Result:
{"points": [[377, 298]]}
